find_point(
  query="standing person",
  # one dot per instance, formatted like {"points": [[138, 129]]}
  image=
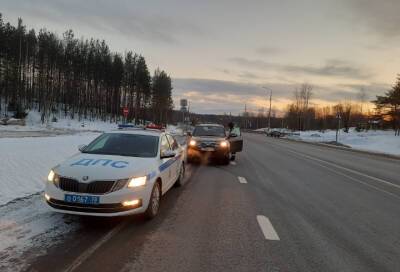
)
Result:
{"points": [[231, 126]]}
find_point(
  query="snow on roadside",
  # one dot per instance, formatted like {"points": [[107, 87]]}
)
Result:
{"points": [[376, 141], [25, 162], [30, 224]]}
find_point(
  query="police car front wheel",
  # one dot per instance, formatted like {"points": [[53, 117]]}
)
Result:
{"points": [[154, 203]]}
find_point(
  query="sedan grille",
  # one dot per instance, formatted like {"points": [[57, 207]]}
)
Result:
{"points": [[208, 144], [94, 187]]}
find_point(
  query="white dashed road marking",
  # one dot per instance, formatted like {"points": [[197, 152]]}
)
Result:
{"points": [[267, 228], [242, 180], [233, 163]]}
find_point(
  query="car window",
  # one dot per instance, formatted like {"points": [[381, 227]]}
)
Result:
{"points": [[98, 143], [217, 131], [174, 145], [124, 144], [164, 144]]}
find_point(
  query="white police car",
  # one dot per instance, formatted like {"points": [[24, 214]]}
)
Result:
{"points": [[120, 173]]}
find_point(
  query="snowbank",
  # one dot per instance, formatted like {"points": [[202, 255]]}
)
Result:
{"points": [[33, 123], [376, 141], [25, 162]]}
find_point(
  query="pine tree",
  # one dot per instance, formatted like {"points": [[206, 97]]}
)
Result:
{"points": [[80, 78]]}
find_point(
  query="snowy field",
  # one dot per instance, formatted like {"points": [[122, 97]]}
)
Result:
{"points": [[25, 162], [376, 141], [34, 124]]}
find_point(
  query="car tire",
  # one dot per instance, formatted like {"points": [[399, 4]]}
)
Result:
{"points": [[154, 203], [226, 159], [179, 181]]}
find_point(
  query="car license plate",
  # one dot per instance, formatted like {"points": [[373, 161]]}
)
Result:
{"points": [[208, 149], [90, 200]]}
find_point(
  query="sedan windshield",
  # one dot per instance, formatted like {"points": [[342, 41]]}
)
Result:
{"points": [[124, 145], [209, 131]]}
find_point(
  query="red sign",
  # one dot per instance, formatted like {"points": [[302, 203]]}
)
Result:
{"points": [[125, 111]]}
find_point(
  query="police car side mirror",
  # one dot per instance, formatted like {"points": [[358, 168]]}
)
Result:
{"points": [[82, 147], [168, 154]]}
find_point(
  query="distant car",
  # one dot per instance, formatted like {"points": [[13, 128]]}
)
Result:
{"points": [[120, 173], [275, 133], [212, 141]]}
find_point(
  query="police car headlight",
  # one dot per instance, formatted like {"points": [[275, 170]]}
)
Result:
{"points": [[136, 182], [52, 177]]}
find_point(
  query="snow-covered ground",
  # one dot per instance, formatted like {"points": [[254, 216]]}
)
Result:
{"points": [[376, 141], [34, 124], [27, 228], [25, 162]]}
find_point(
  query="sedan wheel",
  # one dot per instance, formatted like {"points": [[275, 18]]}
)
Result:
{"points": [[154, 204], [181, 177]]}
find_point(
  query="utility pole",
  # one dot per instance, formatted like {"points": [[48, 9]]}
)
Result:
{"points": [[339, 118], [270, 106], [269, 112], [245, 115]]}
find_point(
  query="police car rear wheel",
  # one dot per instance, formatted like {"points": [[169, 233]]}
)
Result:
{"points": [[154, 203]]}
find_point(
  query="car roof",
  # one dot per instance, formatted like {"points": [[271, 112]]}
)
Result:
{"points": [[148, 132]]}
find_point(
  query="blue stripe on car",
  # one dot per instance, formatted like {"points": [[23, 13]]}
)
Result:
{"points": [[168, 163]]}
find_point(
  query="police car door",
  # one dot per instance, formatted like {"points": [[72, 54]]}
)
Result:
{"points": [[166, 171], [176, 166]]}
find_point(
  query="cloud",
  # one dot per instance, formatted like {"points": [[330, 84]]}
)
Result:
{"points": [[331, 68], [218, 96], [107, 17], [268, 50], [381, 17]]}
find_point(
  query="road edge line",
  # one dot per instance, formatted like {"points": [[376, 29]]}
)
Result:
{"points": [[88, 252]]}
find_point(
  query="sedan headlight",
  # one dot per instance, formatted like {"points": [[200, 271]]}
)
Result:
{"points": [[224, 144], [192, 143], [52, 177], [136, 182]]}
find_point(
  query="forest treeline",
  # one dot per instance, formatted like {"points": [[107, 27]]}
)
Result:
{"points": [[81, 78], [303, 115], [386, 113]]}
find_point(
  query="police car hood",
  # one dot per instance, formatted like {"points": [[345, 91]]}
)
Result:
{"points": [[89, 167]]}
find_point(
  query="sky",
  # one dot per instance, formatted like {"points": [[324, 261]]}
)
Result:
{"points": [[225, 54]]}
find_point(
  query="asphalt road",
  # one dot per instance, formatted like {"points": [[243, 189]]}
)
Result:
{"points": [[295, 207]]}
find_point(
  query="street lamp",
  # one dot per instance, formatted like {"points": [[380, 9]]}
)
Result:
{"points": [[270, 104]]}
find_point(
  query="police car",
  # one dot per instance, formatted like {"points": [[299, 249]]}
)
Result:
{"points": [[121, 172]]}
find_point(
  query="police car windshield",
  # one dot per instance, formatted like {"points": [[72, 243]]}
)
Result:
{"points": [[123, 144], [216, 131]]}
